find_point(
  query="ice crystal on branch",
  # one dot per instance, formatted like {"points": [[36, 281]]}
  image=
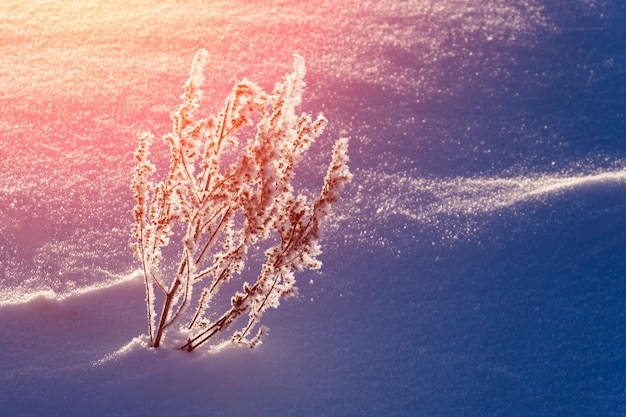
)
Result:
{"points": [[228, 190]]}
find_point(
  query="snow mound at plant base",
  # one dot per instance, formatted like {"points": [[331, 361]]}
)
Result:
{"points": [[82, 355]]}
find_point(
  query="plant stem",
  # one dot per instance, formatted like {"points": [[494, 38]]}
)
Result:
{"points": [[166, 309]]}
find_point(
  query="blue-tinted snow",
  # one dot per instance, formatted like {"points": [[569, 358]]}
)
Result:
{"points": [[476, 266]]}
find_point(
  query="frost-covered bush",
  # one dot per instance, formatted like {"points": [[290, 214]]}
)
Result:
{"points": [[228, 191]]}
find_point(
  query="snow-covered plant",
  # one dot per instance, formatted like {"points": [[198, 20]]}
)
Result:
{"points": [[228, 191]]}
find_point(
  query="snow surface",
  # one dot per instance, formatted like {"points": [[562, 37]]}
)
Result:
{"points": [[474, 268]]}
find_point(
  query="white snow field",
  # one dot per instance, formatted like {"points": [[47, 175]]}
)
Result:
{"points": [[475, 266]]}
